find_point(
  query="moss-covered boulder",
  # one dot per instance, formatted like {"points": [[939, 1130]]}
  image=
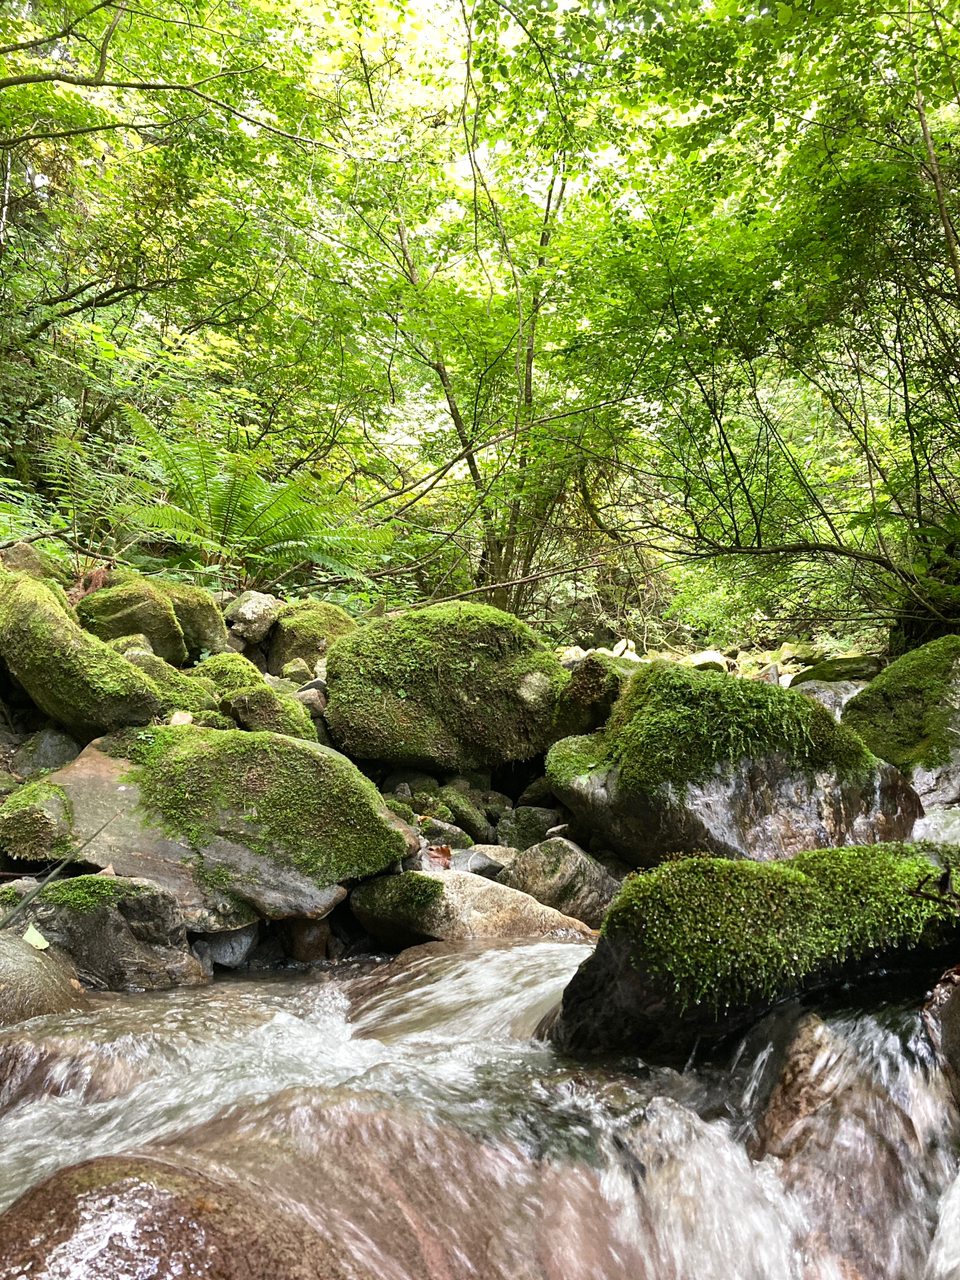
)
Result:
{"points": [[120, 934], [856, 666], [27, 557], [263, 708], [454, 686], [700, 947], [32, 983], [694, 760], [228, 673], [129, 603], [592, 692], [36, 822], [178, 691], [910, 715], [71, 675], [229, 822], [201, 622], [449, 906], [304, 630]]}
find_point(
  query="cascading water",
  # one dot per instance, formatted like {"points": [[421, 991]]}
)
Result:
{"points": [[406, 1119]]}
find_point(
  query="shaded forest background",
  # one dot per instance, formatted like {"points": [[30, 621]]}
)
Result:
{"points": [[630, 320]]}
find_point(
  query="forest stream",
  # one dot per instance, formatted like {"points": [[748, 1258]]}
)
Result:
{"points": [[408, 1118]]}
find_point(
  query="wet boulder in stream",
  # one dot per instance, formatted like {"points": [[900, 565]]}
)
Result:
{"points": [[693, 761], [33, 983], [699, 948], [559, 874], [448, 906], [120, 934]]}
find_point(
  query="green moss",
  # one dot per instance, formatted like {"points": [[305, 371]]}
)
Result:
{"points": [[722, 933], [71, 675], [455, 686], [228, 673], [263, 708], [466, 814], [572, 758], [594, 687], [84, 894], [304, 629], [401, 809], [35, 822], [213, 720], [430, 806], [905, 715], [131, 604], [673, 724], [122, 643], [178, 691], [8, 898], [306, 805], [201, 622]]}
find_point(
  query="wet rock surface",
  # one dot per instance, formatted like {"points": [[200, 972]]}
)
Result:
{"points": [[452, 905], [32, 983], [120, 934], [762, 809]]}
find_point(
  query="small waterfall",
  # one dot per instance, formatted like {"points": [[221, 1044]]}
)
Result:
{"points": [[409, 1123]]}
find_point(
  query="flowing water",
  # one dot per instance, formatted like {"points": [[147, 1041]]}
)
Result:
{"points": [[408, 1119]]}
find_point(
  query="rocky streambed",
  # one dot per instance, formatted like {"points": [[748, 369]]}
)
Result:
{"points": [[402, 1123], [414, 948]]}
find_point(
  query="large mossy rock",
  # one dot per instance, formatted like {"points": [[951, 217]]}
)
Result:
{"points": [[68, 673], [454, 686], [262, 708], [305, 629], [31, 982], [128, 604], [178, 691], [228, 673], [201, 622], [449, 906], [231, 823], [700, 947], [120, 934], [692, 761], [910, 715]]}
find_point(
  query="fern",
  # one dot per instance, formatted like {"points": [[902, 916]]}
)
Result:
{"points": [[252, 529]]}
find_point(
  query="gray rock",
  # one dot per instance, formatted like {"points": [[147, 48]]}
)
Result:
{"points": [[437, 832], [218, 883], [476, 862], [314, 701], [318, 683], [252, 615], [43, 751], [832, 694], [231, 948], [121, 934], [32, 983], [559, 874], [760, 809], [452, 905], [527, 825]]}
